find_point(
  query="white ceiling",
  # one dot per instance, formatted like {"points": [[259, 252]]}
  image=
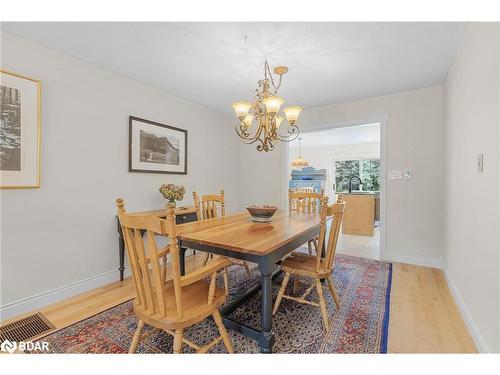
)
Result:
{"points": [[369, 133], [215, 64]]}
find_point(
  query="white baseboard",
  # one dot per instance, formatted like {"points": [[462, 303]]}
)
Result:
{"points": [[417, 260], [481, 345], [43, 299]]}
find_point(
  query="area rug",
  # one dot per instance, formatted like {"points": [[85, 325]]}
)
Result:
{"points": [[359, 326]]}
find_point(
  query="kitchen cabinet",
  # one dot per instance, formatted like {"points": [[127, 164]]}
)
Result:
{"points": [[359, 215]]}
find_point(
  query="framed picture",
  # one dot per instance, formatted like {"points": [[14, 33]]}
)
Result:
{"points": [[156, 148], [20, 122]]}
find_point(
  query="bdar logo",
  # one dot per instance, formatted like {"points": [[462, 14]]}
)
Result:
{"points": [[8, 346]]}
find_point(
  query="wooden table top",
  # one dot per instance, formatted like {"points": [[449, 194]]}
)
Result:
{"points": [[239, 233], [163, 212]]}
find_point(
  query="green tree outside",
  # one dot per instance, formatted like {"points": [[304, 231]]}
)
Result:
{"points": [[367, 169]]}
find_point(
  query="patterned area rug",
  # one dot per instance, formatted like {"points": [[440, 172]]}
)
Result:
{"points": [[360, 326]]}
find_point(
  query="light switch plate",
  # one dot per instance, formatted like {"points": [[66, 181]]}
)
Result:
{"points": [[395, 175], [407, 174], [480, 163]]}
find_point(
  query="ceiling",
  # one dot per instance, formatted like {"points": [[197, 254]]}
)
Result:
{"points": [[349, 135], [214, 64]]}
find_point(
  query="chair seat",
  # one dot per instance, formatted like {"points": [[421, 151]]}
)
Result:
{"points": [[302, 264], [194, 303]]}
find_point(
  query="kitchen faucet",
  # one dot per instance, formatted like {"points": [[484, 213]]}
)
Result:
{"points": [[350, 181]]}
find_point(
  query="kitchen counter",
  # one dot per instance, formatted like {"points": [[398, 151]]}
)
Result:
{"points": [[359, 215]]}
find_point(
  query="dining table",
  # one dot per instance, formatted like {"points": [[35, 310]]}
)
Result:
{"points": [[264, 243]]}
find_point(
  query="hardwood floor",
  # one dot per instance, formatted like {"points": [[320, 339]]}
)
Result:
{"points": [[423, 317]]}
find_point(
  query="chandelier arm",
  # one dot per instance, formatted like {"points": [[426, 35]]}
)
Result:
{"points": [[240, 132], [293, 131], [244, 136], [265, 145], [247, 138], [289, 138], [258, 132], [251, 141], [261, 146], [271, 145]]}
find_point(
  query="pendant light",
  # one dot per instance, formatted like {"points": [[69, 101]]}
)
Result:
{"points": [[300, 161]]}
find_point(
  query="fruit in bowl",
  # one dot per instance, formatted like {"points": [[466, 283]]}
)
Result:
{"points": [[262, 214]]}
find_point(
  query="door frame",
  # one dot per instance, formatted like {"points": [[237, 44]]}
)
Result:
{"points": [[383, 121]]}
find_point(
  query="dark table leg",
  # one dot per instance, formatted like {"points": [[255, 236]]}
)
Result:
{"points": [[266, 319], [182, 256], [121, 250]]}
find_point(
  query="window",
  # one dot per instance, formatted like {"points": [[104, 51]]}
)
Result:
{"points": [[367, 169]]}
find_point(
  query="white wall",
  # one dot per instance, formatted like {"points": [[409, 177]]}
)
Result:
{"points": [[471, 257], [261, 175], [65, 232], [414, 140]]}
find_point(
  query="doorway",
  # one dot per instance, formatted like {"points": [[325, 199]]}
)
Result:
{"points": [[351, 157]]}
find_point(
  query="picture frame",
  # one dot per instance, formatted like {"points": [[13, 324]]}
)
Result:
{"points": [[156, 147], [20, 131]]}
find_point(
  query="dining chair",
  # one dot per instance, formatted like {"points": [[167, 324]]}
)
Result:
{"points": [[316, 267], [170, 303], [305, 190], [305, 201], [207, 207]]}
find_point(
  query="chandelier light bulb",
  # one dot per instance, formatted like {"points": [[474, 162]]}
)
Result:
{"points": [[273, 104], [247, 121], [241, 109], [292, 113]]}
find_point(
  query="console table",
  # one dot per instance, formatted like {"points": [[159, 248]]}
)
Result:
{"points": [[182, 215]]}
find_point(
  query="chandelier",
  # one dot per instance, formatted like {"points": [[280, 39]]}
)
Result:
{"points": [[300, 161], [264, 111]]}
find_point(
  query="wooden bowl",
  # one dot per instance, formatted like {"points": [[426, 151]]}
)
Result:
{"points": [[262, 214]]}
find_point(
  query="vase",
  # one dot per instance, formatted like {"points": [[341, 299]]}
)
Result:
{"points": [[172, 201]]}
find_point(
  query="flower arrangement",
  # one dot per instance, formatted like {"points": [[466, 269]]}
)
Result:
{"points": [[172, 192]]}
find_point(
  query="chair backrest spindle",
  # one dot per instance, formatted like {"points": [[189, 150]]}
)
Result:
{"points": [[207, 206], [304, 201]]}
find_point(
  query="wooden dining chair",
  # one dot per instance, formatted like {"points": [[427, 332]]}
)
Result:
{"points": [[207, 207], [169, 303], [305, 202], [316, 267]]}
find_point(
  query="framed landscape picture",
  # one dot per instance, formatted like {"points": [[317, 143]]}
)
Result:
{"points": [[156, 148], [20, 132]]}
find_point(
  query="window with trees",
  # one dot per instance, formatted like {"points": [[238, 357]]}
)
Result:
{"points": [[367, 169]]}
